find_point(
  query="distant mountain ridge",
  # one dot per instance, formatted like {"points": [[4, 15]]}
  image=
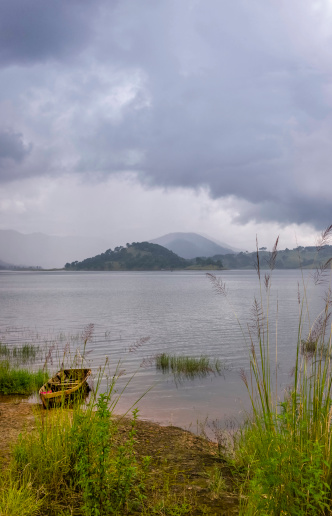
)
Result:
{"points": [[47, 251], [192, 245]]}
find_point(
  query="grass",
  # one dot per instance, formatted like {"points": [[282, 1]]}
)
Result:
{"points": [[84, 462], [188, 367], [17, 498], [71, 465], [283, 454], [15, 380], [71, 459]]}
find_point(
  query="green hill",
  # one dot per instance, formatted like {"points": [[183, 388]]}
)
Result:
{"points": [[139, 256], [300, 257], [144, 256]]}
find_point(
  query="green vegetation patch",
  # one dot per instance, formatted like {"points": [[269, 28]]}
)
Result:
{"points": [[19, 381], [188, 367]]}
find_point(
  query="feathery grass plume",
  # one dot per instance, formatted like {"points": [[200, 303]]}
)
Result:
{"points": [[317, 332], [243, 376], [321, 272], [273, 255], [257, 318], [87, 333], [324, 238], [49, 356], [218, 285], [138, 343], [148, 361], [267, 278], [257, 263]]}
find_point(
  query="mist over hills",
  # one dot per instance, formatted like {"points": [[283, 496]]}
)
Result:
{"points": [[191, 245], [46, 251]]}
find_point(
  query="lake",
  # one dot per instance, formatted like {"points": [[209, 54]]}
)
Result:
{"points": [[180, 313]]}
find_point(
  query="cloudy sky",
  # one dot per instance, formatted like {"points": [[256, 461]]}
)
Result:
{"points": [[129, 119]]}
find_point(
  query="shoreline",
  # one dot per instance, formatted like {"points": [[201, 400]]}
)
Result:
{"points": [[184, 456]]}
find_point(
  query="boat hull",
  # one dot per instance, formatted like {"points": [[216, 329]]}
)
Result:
{"points": [[64, 385]]}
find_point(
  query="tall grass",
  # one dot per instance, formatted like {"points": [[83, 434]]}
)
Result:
{"points": [[14, 380], [17, 498], [73, 461], [284, 452]]}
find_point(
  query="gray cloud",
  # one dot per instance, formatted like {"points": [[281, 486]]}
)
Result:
{"points": [[186, 94], [12, 146], [13, 151], [36, 31]]}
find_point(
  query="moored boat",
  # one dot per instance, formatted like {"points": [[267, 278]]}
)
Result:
{"points": [[63, 385]]}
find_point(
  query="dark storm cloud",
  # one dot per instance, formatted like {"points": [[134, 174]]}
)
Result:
{"points": [[225, 95], [12, 149], [37, 30]]}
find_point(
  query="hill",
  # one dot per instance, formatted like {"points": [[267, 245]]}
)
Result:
{"points": [[5, 265], [304, 257], [191, 245], [136, 256]]}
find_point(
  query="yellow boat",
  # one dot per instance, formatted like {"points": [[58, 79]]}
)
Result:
{"points": [[62, 385]]}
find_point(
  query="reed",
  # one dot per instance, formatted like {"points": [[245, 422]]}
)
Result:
{"points": [[283, 454], [19, 354], [188, 367]]}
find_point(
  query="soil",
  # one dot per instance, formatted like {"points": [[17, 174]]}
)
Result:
{"points": [[182, 464]]}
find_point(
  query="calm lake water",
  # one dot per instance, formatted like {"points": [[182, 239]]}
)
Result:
{"points": [[179, 312]]}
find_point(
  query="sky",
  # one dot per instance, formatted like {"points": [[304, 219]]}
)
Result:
{"points": [[127, 119]]}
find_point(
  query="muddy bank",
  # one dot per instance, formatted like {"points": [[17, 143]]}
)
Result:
{"points": [[182, 463]]}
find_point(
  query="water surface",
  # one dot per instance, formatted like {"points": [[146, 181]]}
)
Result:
{"points": [[179, 312]]}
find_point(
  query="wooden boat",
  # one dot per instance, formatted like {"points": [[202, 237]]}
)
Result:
{"points": [[63, 385]]}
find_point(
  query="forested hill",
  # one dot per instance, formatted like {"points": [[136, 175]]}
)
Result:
{"points": [[300, 257], [139, 256], [144, 256]]}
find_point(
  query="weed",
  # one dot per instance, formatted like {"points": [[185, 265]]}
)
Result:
{"points": [[217, 482]]}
